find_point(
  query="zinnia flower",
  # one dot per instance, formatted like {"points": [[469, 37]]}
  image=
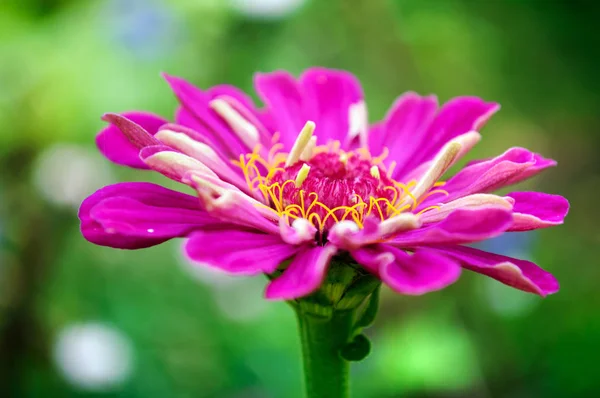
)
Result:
{"points": [[304, 182]]}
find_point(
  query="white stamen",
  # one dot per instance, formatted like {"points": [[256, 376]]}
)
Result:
{"points": [[247, 132], [308, 149], [150, 230], [302, 175], [357, 120], [346, 226], [375, 172], [301, 143], [399, 223], [304, 228]]}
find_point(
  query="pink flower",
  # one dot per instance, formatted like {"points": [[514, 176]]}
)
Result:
{"points": [[306, 179]]}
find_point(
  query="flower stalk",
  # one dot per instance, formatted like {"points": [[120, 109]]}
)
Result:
{"points": [[326, 372]]}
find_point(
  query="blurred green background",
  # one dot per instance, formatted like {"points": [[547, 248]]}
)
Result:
{"points": [[78, 320]]}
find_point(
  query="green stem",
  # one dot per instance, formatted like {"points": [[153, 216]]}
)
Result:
{"points": [[326, 373]]}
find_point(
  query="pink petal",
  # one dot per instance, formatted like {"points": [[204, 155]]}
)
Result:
{"points": [[520, 274], [413, 274], [200, 116], [239, 252], [233, 206], [244, 105], [458, 116], [284, 101], [137, 215], [414, 135], [324, 96], [372, 258], [329, 94], [404, 129], [303, 276], [118, 148], [461, 226], [533, 210]]}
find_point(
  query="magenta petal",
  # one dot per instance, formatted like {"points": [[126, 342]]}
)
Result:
{"points": [[422, 272], [460, 226], [303, 276], [137, 215], [533, 210], [421, 135], [404, 129], [118, 148], [520, 274], [200, 116], [239, 252], [234, 207], [284, 101], [457, 116], [372, 258], [329, 94]]}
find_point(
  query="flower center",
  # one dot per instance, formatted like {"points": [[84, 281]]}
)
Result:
{"points": [[338, 184], [324, 184]]}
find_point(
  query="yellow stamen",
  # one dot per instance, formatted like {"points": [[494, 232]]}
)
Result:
{"points": [[302, 175]]}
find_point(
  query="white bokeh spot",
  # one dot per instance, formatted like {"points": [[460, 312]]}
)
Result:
{"points": [[93, 356], [266, 9]]}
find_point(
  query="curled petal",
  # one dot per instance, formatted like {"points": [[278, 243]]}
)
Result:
{"points": [[137, 215], [173, 164], [520, 274], [303, 276], [476, 201], [413, 274], [515, 165], [533, 210], [202, 153], [238, 252], [115, 144], [460, 226], [230, 205]]}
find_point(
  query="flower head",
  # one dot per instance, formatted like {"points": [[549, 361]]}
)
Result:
{"points": [[305, 184]]}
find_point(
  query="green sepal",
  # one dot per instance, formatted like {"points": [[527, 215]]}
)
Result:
{"points": [[370, 312]]}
